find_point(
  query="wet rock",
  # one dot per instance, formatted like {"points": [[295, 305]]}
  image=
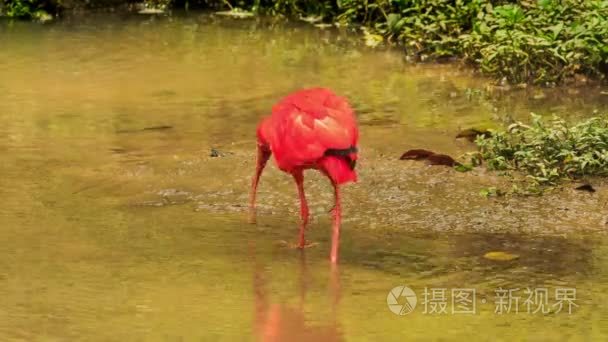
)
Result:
{"points": [[151, 11], [215, 153], [472, 133], [174, 196], [311, 19], [235, 13], [172, 192]]}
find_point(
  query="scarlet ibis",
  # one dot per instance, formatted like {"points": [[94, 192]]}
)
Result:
{"points": [[310, 129]]}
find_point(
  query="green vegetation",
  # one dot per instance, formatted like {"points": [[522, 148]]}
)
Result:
{"points": [[26, 9], [549, 41], [517, 41], [541, 42], [548, 152]]}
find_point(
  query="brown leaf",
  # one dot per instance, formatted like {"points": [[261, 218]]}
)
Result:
{"points": [[416, 154], [442, 159]]}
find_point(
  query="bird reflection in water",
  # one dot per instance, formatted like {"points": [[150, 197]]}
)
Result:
{"points": [[283, 322]]}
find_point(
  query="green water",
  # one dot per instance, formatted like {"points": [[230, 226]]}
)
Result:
{"points": [[117, 225]]}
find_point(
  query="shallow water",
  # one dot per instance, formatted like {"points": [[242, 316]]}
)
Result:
{"points": [[118, 225]]}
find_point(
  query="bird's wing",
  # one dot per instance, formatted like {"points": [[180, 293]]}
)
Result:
{"points": [[307, 124]]}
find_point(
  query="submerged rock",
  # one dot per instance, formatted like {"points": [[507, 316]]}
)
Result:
{"points": [[157, 128]]}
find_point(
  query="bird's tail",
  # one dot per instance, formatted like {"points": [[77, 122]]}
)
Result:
{"points": [[263, 132]]}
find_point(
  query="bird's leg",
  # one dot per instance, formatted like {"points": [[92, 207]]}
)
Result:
{"points": [[337, 218], [335, 289], [263, 155], [299, 178]]}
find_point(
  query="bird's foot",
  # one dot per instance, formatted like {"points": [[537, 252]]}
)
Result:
{"points": [[292, 245]]}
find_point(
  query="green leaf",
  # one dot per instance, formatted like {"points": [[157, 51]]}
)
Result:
{"points": [[463, 168]]}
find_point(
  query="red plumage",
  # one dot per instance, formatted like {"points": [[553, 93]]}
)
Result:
{"points": [[311, 128], [304, 125]]}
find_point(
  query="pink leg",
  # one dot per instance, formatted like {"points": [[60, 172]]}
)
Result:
{"points": [[263, 155], [335, 237], [299, 178], [334, 283]]}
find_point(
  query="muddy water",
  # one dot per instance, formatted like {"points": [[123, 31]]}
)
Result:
{"points": [[116, 224]]}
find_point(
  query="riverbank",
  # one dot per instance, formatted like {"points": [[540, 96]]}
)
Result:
{"points": [[515, 42]]}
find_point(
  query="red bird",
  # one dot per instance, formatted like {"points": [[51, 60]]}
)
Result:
{"points": [[310, 129]]}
